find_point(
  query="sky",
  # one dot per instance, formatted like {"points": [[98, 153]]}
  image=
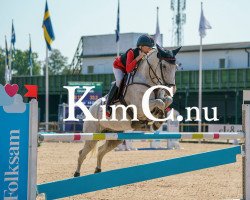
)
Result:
{"points": [[75, 18]]}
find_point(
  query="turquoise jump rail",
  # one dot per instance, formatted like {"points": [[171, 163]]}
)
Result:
{"points": [[135, 174]]}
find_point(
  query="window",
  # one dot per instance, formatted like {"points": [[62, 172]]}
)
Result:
{"points": [[90, 69], [222, 63]]}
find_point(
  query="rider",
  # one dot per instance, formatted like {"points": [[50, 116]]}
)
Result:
{"points": [[126, 63]]}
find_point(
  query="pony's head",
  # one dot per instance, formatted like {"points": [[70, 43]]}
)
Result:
{"points": [[167, 55], [162, 65]]}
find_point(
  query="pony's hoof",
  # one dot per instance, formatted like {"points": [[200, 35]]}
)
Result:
{"points": [[156, 126], [97, 170], [76, 174]]}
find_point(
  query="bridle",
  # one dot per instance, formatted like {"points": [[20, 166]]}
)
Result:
{"points": [[160, 80]]}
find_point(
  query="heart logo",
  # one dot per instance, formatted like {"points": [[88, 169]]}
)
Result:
{"points": [[11, 90]]}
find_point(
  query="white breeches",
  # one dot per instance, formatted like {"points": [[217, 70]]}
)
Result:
{"points": [[118, 76]]}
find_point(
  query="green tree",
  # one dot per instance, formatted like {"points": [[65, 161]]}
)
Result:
{"points": [[67, 70], [20, 63], [58, 64]]}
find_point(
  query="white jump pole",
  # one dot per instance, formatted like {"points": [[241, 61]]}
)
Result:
{"points": [[33, 127], [246, 146], [69, 137]]}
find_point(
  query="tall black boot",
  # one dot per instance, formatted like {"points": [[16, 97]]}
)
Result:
{"points": [[111, 96]]}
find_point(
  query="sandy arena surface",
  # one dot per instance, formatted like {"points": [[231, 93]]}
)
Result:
{"points": [[57, 161]]}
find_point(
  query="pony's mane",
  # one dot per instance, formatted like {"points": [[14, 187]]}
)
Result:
{"points": [[151, 52]]}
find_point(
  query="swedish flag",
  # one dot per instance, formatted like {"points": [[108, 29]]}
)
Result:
{"points": [[47, 28]]}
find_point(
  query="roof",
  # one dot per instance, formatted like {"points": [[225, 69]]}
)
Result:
{"points": [[112, 34], [214, 47], [105, 45]]}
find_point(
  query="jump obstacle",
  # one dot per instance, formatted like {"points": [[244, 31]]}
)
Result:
{"points": [[69, 137], [94, 182]]}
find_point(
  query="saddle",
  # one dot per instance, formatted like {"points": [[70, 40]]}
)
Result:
{"points": [[144, 125], [122, 89], [120, 95]]}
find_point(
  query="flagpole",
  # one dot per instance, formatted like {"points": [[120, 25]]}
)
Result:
{"points": [[6, 72], [118, 29], [200, 86], [30, 57], [47, 90], [6, 63], [31, 71], [10, 62], [118, 48]]}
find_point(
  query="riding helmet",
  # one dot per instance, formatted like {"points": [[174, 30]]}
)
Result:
{"points": [[145, 40]]}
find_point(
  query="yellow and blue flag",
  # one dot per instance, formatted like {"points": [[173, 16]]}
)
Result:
{"points": [[47, 28]]}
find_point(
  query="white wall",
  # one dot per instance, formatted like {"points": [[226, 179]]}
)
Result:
{"points": [[190, 60], [106, 44], [102, 65]]}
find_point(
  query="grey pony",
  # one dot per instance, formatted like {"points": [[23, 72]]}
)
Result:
{"points": [[151, 71]]}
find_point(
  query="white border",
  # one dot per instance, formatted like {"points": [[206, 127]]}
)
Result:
{"points": [[32, 158]]}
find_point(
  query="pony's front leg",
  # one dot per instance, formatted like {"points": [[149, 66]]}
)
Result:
{"points": [[156, 103], [168, 100], [165, 96], [159, 108]]}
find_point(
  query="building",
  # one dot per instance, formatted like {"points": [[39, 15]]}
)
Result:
{"points": [[99, 52]]}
